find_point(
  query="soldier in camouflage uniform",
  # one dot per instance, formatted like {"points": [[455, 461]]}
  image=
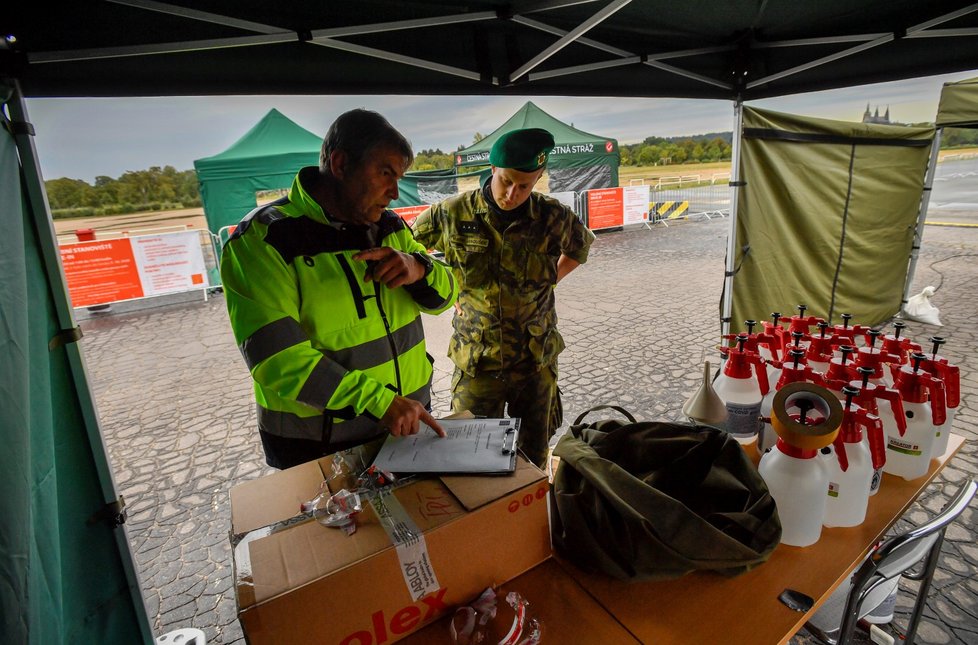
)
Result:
{"points": [[508, 247]]}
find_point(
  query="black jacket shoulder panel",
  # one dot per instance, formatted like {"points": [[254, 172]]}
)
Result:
{"points": [[266, 214]]}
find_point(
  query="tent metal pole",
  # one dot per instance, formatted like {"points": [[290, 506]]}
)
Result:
{"points": [[918, 233], [732, 234], [44, 226]]}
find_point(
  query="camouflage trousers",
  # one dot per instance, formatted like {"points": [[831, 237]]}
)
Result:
{"points": [[531, 396]]}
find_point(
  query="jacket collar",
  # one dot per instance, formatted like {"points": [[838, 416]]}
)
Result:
{"points": [[299, 195]]}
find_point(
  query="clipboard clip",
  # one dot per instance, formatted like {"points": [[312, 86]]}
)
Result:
{"points": [[509, 442]]}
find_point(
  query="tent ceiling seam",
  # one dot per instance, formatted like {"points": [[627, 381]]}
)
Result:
{"points": [[570, 37], [202, 16], [407, 60], [882, 40], [74, 55], [648, 59], [379, 27]]}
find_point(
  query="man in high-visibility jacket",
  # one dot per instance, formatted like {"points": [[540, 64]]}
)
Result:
{"points": [[324, 290]]}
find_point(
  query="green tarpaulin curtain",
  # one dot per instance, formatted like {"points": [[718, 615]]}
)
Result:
{"points": [[959, 104], [61, 576], [827, 216]]}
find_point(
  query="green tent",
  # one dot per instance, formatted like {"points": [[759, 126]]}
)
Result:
{"points": [[67, 572], [825, 216], [959, 105], [958, 108], [267, 157], [580, 161]]}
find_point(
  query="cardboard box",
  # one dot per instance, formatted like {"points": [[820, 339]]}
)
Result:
{"points": [[300, 582], [567, 613]]}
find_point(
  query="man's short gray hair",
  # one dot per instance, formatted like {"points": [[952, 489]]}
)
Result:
{"points": [[359, 132]]}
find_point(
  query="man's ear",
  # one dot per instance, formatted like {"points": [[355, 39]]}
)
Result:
{"points": [[338, 163]]}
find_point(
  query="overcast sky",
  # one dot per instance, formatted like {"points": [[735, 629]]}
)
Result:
{"points": [[84, 138]]}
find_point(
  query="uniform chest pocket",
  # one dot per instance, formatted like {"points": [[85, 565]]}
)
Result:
{"points": [[472, 259], [540, 268]]}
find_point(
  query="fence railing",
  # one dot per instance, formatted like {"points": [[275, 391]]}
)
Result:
{"points": [[688, 196]]}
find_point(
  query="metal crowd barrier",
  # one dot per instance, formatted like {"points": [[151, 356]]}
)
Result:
{"points": [[689, 196]]}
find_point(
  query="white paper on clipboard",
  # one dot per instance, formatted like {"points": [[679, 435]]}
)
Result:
{"points": [[483, 446]]}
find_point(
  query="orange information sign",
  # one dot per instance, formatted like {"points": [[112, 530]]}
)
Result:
{"points": [[100, 272], [605, 208], [410, 213], [146, 265]]}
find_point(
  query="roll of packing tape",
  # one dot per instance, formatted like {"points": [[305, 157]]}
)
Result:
{"points": [[820, 409]]}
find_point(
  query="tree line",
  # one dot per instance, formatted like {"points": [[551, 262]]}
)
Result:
{"points": [[167, 188], [135, 191]]}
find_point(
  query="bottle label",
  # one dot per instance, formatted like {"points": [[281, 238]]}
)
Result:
{"points": [[833, 489], [904, 447], [743, 420], [877, 478]]}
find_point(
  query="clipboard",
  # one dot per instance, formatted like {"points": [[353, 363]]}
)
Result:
{"points": [[472, 447]]}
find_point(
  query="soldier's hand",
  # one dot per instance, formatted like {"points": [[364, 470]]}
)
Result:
{"points": [[390, 267], [403, 415]]}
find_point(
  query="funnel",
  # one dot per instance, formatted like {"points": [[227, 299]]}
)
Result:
{"points": [[704, 406]]}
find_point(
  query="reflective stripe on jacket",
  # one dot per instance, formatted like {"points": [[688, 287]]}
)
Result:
{"points": [[316, 336]]}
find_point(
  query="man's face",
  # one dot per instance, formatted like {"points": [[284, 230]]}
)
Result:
{"points": [[510, 188], [366, 190]]}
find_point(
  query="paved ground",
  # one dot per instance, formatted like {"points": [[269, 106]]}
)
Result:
{"points": [[174, 399]]}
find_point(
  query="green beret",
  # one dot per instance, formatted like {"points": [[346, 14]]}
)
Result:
{"points": [[524, 150]]}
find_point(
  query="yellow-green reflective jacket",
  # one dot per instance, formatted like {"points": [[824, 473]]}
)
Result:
{"points": [[327, 350]]}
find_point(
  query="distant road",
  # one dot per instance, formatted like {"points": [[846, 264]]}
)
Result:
{"points": [[954, 198]]}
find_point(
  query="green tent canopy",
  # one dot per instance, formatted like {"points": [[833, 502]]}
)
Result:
{"points": [[826, 216], [959, 105], [579, 161], [267, 157]]}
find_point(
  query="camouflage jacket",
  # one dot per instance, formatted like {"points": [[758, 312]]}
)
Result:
{"points": [[506, 267]]}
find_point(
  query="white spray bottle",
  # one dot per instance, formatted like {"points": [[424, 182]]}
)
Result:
{"points": [[923, 403], [851, 464], [741, 385]]}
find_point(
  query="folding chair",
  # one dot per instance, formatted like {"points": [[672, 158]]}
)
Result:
{"points": [[895, 557]]}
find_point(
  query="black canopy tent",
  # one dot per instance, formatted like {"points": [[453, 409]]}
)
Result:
{"points": [[738, 50]]}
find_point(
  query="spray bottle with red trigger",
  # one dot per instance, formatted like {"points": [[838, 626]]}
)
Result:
{"points": [[794, 372], [807, 419], [765, 345], [924, 405], [840, 371], [939, 366], [876, 358], [821, 348], [775, 330], [898, 346], [867, 399], [801, 323], [851, 466], [849, 334], [741, 386]]}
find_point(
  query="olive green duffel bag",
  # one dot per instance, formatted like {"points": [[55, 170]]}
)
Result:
{"points": [[653, 501]]}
